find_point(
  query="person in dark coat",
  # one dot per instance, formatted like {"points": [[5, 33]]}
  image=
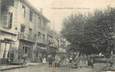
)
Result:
{"points": [[50, 60], [90, 62]]}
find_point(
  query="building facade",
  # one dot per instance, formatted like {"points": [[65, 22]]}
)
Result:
{"points": [[8, 33], [24, 33]]}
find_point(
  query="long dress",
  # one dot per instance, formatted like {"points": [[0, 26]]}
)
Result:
{"points": [[44, 60]]}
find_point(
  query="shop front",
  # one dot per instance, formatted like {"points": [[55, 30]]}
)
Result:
{"points": [[25, 52], [5, 48], [40, 52]]}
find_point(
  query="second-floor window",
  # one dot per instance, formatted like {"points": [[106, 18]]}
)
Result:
{"points": [[9, 20], [31, 15], [30, 31], [24, 11], [39, 20]]}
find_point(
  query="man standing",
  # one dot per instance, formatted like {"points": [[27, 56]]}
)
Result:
{"points": [[50, 60]]}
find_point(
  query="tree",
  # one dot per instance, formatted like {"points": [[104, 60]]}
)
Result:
{"points": [[73, 30], [91, 34], [98, 29]]}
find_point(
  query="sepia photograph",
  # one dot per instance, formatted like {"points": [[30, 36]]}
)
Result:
{"points": [[57, 35]]}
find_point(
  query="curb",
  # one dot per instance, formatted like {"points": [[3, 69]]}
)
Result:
{"points": [[10, 68], [21, 66]]}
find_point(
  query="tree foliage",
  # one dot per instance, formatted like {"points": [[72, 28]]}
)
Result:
{"points": [[73, 30], [92, 33]]}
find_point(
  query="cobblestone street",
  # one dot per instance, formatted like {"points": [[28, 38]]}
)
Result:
{"points": [[45, 68]]}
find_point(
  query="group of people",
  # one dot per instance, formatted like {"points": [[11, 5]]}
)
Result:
{"points": [[53, 60], [82, 61]]}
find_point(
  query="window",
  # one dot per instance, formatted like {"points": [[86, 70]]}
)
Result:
{"points": [[39, 20], [39, 35], [24, 11], [31, 15], [10, 19], [15, 28], [30, 32], [22, 29]]}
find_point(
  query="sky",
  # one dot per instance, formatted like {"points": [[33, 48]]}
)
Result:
{"points": [[57, 10]]}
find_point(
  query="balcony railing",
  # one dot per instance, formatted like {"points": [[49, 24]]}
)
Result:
{"points": [[43, 41], [32, 38], [27, 36], [52, 43]]}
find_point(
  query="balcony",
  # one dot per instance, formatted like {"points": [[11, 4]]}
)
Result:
{"points": [[42, 41], [53, 43], [27, 37]]}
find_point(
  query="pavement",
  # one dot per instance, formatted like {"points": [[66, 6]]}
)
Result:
{"points": [[98, 67], [108, 68], [9, 67]]}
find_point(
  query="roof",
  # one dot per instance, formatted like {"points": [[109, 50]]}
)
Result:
{"points": [[34, 9]]}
